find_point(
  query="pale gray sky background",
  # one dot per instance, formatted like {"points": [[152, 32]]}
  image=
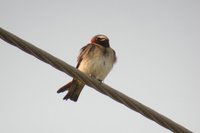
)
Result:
{"points": [[158, 47]]}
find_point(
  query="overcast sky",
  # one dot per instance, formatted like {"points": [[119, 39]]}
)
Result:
{"points": [[158, 48]]}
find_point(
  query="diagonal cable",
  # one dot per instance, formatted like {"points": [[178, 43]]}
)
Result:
{"points": [[102, 88]]}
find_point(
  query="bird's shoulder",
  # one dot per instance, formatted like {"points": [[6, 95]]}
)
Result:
{"points": [[84, 51]]}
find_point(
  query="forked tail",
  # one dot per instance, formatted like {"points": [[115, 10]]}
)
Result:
{"points": [[74, 89]]}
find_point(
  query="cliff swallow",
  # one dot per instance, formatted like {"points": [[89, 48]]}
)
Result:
{"points": [[95, 59]]}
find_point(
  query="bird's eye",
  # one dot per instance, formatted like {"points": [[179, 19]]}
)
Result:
{"points": [[98, 39]]}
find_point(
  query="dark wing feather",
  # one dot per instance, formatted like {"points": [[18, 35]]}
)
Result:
{"points": [[83, 52], [115, 57]]}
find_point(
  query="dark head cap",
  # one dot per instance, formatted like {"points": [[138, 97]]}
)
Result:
{"points": [[101, 40]]}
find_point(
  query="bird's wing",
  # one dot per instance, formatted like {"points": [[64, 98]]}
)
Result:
{"points": [[115, 57], [83, 52]]}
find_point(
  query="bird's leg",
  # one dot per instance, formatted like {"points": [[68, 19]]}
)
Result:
{"points": [[101, 81], [92, 76]]}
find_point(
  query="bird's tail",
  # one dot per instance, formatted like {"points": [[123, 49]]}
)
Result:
{"points": [[74, 89]]}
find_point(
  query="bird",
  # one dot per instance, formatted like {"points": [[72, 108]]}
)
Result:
{"points": [[96, 59]]}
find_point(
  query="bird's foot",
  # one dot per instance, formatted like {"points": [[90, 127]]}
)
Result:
{"points": [[92, 76]]}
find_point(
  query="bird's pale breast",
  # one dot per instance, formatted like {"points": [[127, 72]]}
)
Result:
{"points": [[98, 62]]}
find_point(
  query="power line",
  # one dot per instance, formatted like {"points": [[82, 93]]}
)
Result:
{"points": [[101, 87]]}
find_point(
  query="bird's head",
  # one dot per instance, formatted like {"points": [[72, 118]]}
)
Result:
{"points": [[101, 40]]}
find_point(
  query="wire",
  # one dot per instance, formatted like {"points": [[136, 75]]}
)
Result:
{"points": [[101, 87]]}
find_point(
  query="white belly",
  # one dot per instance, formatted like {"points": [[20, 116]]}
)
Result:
{"points": [[98, 66]]}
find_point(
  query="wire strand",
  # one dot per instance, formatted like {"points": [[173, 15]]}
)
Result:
{"points": [[101, 87]]}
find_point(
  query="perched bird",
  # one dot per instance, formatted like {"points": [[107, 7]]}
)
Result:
{"points": [[95, 59]]}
